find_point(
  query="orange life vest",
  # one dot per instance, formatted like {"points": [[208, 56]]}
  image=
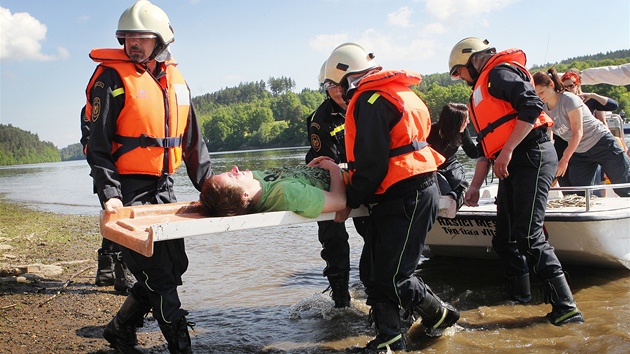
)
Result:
{"points": [[153, 120], [494, 119], [410, 155]]}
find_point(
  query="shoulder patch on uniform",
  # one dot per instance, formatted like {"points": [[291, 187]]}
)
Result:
{"points": [[316, 142], [99, 84], [96, 108], [374, 97], [315, 125]]}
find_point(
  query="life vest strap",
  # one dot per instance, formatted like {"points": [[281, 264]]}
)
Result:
{"points": [[415, 145], [494, 125], [129, 143]]}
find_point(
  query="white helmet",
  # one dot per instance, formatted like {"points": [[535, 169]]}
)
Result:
{"points": [[348, 59], [144, 17], [322, 75], [463, 50]]}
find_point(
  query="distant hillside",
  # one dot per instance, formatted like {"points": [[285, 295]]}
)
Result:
{"points": [[618, 54], [19, 147], [617, 57]]}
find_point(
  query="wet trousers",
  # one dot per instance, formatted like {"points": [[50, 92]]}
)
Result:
{"points": [[521, 201], [394, 241], [335, 247]]}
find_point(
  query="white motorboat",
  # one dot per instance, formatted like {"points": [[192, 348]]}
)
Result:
{"points": [[594, 232]]}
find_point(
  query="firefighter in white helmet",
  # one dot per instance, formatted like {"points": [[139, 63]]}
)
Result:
{"points": [[141, 128], [393, 170], [513, 132], [326, 131]]}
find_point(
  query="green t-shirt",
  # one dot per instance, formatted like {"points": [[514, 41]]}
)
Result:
{"points": [[298, 189]]}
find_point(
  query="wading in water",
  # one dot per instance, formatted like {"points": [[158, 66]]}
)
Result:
{"points": [[326, 132], [514, 133], [390, 164]]}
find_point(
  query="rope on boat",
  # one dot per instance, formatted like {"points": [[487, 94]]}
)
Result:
{"points": [[571, 200]]}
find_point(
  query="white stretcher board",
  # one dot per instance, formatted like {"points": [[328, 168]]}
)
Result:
{"points": [[138, 227]]}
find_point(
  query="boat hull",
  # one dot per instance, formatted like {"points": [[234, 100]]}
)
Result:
{"points": [[597, 237]]}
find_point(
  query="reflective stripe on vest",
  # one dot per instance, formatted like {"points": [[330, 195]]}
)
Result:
{"points": [[151, 125], [494, 119], [407, 158]]}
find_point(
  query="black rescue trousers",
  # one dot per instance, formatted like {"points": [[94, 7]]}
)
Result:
{"points": [[395, 239], [159, 275], [521, 201]]}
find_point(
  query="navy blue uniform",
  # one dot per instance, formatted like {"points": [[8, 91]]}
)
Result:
{"points": [[159, 275], [326, 128]]}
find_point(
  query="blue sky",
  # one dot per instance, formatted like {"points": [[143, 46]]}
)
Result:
{"points": [[44, 45]]}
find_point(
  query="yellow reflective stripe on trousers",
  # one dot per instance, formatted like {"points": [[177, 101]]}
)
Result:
{"points": [[389, 342], [146, 282]]}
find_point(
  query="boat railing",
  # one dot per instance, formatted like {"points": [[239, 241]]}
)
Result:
{"points": [[588, 189]]}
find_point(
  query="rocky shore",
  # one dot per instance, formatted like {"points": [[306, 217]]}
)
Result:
{"points": [[48, 300]]}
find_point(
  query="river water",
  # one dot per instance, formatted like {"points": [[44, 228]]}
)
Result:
{"points": [[260, 291]]}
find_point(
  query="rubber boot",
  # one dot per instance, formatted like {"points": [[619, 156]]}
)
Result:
{"points": [[386, 317], [563, 307], [120, 332], [124, 278], [436, 315], [517, 288], [105, 270], [177, 337], [339, 290]]}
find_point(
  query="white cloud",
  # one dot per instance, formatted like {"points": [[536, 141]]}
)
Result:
{"points": [[453, 9], [388, 51], [413, 43], [325, 43], [401, 17], [20, 37]]}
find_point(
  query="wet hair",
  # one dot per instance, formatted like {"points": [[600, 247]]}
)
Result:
{"points": [[549, 78], [221, 200], [452, 117]]}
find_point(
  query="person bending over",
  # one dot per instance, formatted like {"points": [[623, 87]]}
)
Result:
{"points": [[446, 136], [307, 190]]}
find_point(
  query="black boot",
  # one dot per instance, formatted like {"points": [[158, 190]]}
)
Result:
{"points": [[105, 270], [564, 310], [120, 332], [386, 317], [124, 279], [177, 337], [436, 315], [339, 290], [517, 288]]}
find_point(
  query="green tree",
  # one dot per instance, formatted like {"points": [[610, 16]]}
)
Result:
{"points": [[22, 147], [280, 85]]}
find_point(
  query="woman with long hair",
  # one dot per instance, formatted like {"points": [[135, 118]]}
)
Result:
{"points": [[446, 136], [590, 143]]}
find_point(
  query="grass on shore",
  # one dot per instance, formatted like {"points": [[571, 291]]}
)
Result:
{"points": [[45, 237]]}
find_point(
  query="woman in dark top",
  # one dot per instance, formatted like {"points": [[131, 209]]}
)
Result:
{"points": [[446, 136]]}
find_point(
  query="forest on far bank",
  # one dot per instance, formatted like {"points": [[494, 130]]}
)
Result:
{"points": [[271, 114]]}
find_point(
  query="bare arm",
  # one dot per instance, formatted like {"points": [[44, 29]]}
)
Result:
{"points": [[471, 198], [575, 117], [593, 96], [335, 197]]}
